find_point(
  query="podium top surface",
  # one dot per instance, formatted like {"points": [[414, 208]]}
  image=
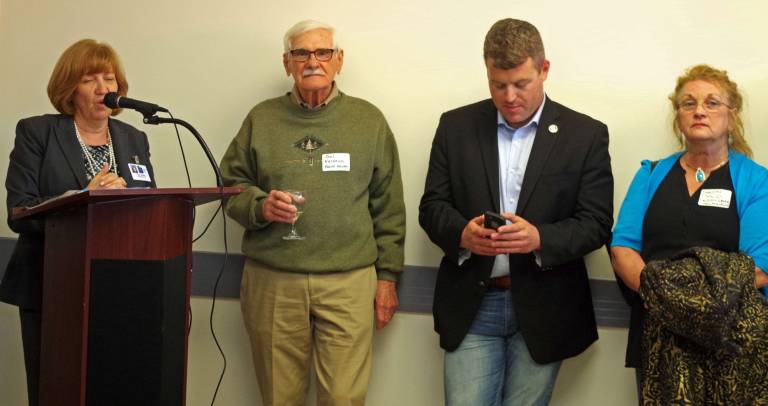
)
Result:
{"points": [[197, 196]]}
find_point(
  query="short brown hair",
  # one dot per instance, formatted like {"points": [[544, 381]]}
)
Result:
{"points": [[735, 103], [84, 57], [511, 42]]}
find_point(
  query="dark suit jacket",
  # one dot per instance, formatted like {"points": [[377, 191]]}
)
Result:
{"points": [[567, 193], [46, 161]]}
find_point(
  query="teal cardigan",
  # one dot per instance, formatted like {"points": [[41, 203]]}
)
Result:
{"points": [[750, 184]]}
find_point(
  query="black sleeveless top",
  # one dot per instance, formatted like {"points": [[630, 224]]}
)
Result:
{"points": [[676, 221]]}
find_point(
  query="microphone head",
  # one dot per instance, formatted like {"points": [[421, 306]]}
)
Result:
{"points": [[110, 100]]}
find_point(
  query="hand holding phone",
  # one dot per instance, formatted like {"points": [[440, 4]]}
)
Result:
{"points": [[493, 220]]}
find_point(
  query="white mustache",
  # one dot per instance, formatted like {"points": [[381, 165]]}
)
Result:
{"points": [[311, 72]]}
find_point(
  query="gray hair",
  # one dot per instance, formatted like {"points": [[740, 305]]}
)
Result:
{"points": [[307, 25]]}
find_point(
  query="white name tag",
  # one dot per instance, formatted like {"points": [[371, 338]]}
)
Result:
{"points": [[336, 162], [139, 172], [715, 198]]}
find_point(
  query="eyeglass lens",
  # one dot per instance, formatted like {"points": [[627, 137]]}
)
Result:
{"points": [[321, 54], [709, 104]]}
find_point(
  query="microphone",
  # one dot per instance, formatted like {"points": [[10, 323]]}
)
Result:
{"points": [[114, 101]]}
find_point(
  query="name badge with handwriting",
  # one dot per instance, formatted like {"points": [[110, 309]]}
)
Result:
{"points": [[715, 198], [337, 162]]}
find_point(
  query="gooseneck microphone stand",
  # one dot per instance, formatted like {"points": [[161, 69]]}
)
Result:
{"points": [[155, 120], [148, 110]]}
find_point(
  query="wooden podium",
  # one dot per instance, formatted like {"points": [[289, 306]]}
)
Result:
{"points": [[116, 289]]}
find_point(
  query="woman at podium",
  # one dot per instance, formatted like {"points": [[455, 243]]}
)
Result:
{"points": [[80, 148]]}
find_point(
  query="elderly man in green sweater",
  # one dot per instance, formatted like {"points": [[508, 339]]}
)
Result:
{"points": [[325, 292]]}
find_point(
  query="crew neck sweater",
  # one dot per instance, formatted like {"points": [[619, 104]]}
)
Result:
{"points": [[344, 158]]}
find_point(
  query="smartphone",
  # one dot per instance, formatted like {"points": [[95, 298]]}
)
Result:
{"points": [[494, 220]]}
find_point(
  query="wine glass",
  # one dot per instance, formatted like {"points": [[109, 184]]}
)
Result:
{"points": [[298, 198]]}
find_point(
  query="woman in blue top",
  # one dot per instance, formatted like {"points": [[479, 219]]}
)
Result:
{"points": [[710, 194]]}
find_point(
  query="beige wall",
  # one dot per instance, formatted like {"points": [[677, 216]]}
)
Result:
{"points": [[210, 61]]}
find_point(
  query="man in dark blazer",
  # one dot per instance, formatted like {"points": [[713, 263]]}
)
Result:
{"points": [[512, 303]]}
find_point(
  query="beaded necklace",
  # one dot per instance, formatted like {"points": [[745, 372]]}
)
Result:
{"points": [[93, 167]]}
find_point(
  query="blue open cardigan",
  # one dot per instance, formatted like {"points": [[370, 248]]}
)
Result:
{"points": [[750, 183]]}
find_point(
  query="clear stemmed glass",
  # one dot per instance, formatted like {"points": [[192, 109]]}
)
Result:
{"points": [[298, 198]]}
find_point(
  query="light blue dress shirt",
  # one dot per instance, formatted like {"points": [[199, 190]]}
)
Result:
{"points": [[514, 150]]}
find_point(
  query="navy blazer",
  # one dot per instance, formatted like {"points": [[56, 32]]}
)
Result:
{"points": [[567, 193], [47, 161]]}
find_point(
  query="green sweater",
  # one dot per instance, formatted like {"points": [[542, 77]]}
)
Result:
{"points": [[352, 218]]}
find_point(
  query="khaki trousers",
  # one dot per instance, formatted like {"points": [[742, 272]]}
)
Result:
{"points": [[288, 314]]}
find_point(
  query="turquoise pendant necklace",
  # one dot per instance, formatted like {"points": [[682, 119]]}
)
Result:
{"points": [[699, 174], [700, 177]]}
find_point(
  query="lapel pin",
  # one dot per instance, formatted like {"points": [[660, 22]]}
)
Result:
{"points": [[553, 128]]}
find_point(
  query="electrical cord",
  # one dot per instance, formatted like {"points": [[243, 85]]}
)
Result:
{"points": [[183, 155], [194, 209], [213, 217], [221, 270], [213, 302]]}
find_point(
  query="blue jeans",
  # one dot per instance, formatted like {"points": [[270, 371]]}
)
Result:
{"points": [[492, 366]]}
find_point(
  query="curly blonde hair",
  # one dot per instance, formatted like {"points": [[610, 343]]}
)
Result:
{"points": [[720, 79]]}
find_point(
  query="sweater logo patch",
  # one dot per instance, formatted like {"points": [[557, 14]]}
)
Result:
{"points": [[309, 144]]}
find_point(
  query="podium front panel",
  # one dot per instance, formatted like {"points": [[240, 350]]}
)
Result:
{"points": [[65, 282], [116, 291], [136, 333], [147, 228]]}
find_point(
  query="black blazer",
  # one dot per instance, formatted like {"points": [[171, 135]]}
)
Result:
{"points": [[46, 161], [567, 193]]}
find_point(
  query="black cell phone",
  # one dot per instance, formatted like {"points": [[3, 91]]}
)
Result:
{"points": [[494, 220]]}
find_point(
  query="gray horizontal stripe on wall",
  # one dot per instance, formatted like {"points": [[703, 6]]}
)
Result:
{"points": [[414, 290]]}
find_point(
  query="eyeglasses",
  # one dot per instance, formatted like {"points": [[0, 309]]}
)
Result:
{"points": [[709, 104], [321, 54]]}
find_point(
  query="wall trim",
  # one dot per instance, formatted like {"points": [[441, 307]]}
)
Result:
{"points": [[414, 290]]}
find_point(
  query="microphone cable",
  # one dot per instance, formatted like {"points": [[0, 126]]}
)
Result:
{"points": [[189, 182], [213, 301], [183, 156], [213, 217], [221, 270], [194, 208]]}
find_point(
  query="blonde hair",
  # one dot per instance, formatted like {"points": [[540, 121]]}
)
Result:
{"points": [[735, 103], [84, 57]]}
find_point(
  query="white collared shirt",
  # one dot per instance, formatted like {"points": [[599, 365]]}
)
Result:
{"points": [[515, 146]]}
